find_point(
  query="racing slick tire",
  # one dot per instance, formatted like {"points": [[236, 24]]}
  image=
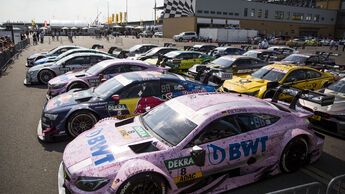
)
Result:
{"points": [[75, 85], [45, 75], [79, 122], [144, 183], [180, 39], [295, 155], [268, 94]]}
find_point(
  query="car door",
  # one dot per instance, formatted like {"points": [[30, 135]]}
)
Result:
{"points": [[314, 79], [241, 66], [297, 78], [135, 98], [187, 60]]}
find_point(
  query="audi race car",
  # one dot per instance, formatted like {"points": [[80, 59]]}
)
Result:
{"points": [[153, 53], [181, 60], [54, 52], [67, 53], [261, 82], [265, 54], [96, 74], [330, 118], [222, 51], [199, 143], [235, 64], [316, 61], [122, 96], [75, 62]]}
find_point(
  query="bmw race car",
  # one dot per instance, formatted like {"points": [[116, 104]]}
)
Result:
{"points": [[67, 53], [330, 118], [199, 143], [261, 82], [54, 52], [153, 53], [75, 62], [94, 75], [77, 111]]}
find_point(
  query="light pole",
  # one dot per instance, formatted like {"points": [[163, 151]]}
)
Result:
{"points": [[155, 9], [126, 12]]}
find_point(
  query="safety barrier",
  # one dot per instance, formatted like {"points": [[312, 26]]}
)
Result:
{"points": [[7, 56], [337, 185]]}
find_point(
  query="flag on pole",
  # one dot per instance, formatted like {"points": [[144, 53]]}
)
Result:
{"points": [[125, 17], [112, 18], [32, 23], [117, 18], [157, 19], [45, 24], [121, 17]]}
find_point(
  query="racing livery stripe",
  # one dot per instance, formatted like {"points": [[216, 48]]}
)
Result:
{"points": [[76, 167], [186, 111]]}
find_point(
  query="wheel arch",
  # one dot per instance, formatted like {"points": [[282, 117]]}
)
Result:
{"points": [[294, 133], [47, 70], [71, 112], [77, 81], [131, 168]]}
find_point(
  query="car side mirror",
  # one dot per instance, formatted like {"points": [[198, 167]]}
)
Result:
{"points": [[116, 98], [198, 155]]}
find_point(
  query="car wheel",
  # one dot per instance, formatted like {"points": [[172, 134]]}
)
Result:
{"points": [[268, 94], [75, 85], [295, 155], [45, 75], [79, 122], [180, 39], [144, 183]]}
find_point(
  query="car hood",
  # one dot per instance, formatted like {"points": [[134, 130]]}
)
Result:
{"points": [[67, 99], [64, 78], [245, 84], [337, 108], [45, 60], [37, 54], [100, 151], [41, 66]]}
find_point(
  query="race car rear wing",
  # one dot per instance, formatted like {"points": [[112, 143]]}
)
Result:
{"points": [[327, 55], [308, 95], [97, 46]]}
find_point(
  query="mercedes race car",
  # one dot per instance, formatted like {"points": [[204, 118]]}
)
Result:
{"points": [[199, 143], [54, 52], [96, 74], [330, 118], [140, 49], [75, 62], [261, 82], [67, 53], [77, 111]]}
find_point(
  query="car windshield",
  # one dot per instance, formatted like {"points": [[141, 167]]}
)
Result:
{"points": [[168, 124], [222, 62], [109, 87], [134, 48], [152, 51], [93, 70], [269, 73], [172, 54], [53, 50], [296, 58], [338, 86]]}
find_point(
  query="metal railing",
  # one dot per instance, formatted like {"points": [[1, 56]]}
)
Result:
{"points": [[309, 188], [7, 56], [335, 186]]}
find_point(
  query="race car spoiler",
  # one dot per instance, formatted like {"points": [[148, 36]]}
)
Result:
{"points": [[308, 95], [204, 73]]}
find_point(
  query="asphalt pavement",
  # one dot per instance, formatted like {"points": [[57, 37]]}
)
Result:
{"points": [[28, 166]]}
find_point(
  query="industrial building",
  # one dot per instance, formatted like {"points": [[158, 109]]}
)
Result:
{"points": [[275, 17]]}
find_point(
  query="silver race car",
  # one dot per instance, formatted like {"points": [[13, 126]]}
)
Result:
{"points": [[75, 62], [54, 52], [330, 118]]}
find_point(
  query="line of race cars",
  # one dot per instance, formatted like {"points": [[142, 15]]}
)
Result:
{"points": [[172, 121]]}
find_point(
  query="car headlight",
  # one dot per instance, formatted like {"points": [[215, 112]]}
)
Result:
{"points": [[31, 72], [50, 116], [252, 93], [58, 86], [91, 183]]}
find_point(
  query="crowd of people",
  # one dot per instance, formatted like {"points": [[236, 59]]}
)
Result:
{"points": [[5, 43]]}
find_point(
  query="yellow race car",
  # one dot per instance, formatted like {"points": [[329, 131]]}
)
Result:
{"points": [[260, 83]]}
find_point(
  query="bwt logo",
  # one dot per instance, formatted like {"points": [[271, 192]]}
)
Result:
{"points": [[217, 155]]}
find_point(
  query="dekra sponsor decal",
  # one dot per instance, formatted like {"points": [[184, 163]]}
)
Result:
{"points": [[179, 163]]}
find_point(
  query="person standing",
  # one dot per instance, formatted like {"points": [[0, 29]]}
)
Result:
{"points": [[37, 37], [34, 38], [42, 37]]}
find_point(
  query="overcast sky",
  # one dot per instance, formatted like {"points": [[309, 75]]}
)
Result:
{"points": [[86, 10]]}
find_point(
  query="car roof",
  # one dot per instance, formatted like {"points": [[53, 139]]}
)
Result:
{"points": [[182, 51], [123, 61], [84, 54], [202, 104], [288, 67], [150, 75], [234, 57]]}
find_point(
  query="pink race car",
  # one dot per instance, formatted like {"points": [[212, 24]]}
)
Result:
{"points": [[93, 76], [197, 143]]}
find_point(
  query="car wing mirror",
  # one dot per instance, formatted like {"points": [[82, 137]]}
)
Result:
{"points": [[116, 98], [198, 155]]}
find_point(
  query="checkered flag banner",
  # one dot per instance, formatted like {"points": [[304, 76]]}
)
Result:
{"points": [[178, 8]]}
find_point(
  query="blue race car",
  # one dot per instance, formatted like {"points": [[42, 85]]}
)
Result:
{"points": [[123, 96]]}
